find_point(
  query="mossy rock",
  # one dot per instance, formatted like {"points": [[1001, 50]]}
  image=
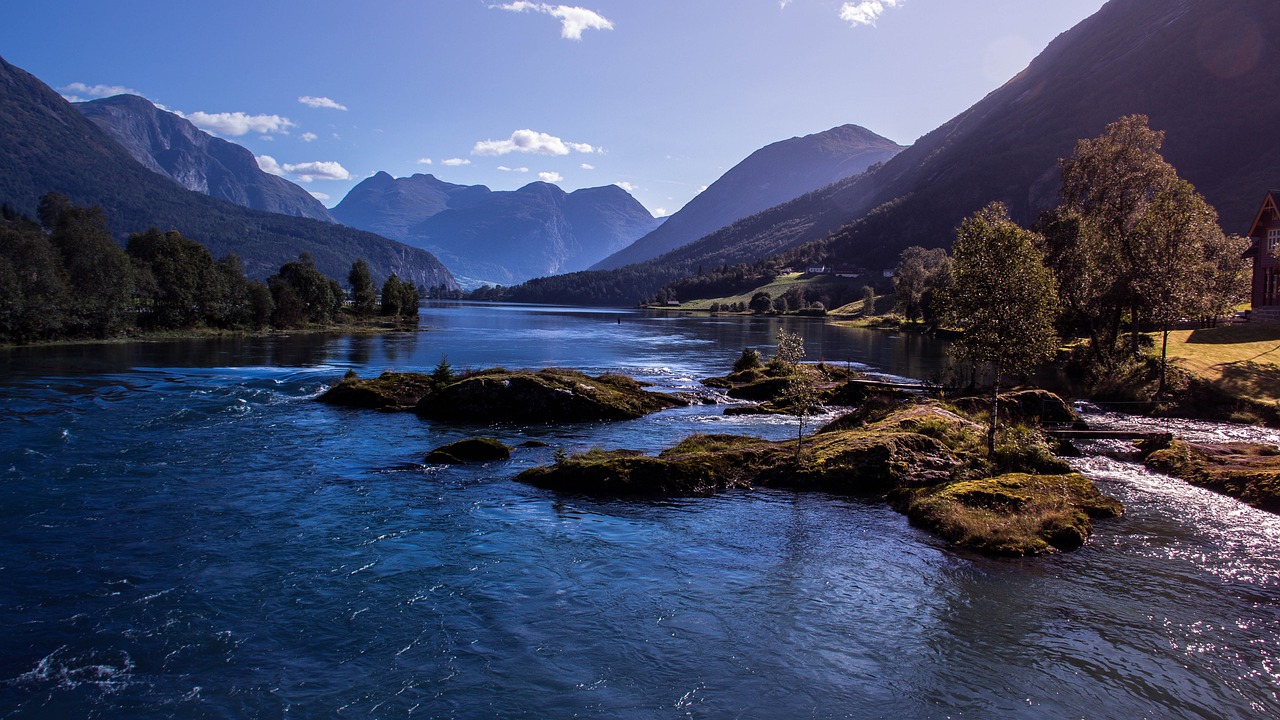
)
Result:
{"points": [[544, 396], [701, 465], [388, 391], [1013, 514], [469, 451], [1246, 471], [1033, 405]]}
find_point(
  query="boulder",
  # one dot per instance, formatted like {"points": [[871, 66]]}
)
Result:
{"points": [[388, 391], [469, 451], [544, 396], [1033, 405]]}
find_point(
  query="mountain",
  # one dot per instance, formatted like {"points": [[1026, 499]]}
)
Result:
{"points": [[170, 145], [770, 176], [1203, 71], [390, 206], [501, 237], [46, 144]]}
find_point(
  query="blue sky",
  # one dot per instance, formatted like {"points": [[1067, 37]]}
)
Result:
{"points": [[659, 96]]}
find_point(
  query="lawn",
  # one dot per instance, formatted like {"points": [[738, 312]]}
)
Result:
{"points": [[1244, 359]]}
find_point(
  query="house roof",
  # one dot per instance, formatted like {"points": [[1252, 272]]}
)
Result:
{"points": [[1269, 210]]}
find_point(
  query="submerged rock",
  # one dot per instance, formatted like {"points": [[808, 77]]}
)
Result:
{"points": [[1246, 471], [549, 395], [388, 391], [469, 451]]}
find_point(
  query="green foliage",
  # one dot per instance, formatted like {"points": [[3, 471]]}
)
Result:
{"points": [[868, 301], [364, 296], [75, 282], [399, 298], [921, 276], [750, 359], [761, 302], [443, 373], [1004, 299]]}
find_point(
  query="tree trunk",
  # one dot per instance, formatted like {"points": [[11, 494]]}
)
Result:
{"points": [[1164, 360], [995, 415]]}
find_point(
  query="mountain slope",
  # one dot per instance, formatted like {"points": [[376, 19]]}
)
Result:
{"points": [[1202, 70], [498, 237], [534, 231], [48, 145], [768, 177], [172, 146], [390, 206]]}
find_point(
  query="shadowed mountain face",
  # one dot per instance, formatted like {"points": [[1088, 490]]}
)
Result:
{"points": [[1204, 71], [770, 176], [170, 145], [48, 145], [390, 206], [498, 237]]}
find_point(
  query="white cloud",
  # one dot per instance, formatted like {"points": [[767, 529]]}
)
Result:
{"points": [[865, 12], [626, 186], [455, 162], [573, 20], [236, 124], [550, 177], [78, 91], [528, 141], [424, 161], [588, 166], [322, 197], [662, 212], [504, 168], [321, 102], [309, 137], [268, 164], [320, 170]]}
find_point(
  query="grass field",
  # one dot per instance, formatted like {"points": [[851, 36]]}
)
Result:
{"points": [[1244, 359]]}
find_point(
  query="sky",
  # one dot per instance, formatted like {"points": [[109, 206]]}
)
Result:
{"points": [[660, 97]]}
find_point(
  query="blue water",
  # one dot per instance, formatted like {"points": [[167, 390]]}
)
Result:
{"points": [[186, 533]]}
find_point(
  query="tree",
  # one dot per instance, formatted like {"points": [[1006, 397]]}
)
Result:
{"points": [[1004, 300], [175, 277], [1109, 185], [761, 302], [801, 392], [1176, 232], [443, 373], [868, 301], [98, 271], [364, 296], [920, 276]]}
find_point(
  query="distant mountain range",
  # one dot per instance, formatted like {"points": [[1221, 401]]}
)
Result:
{"points": [[770, 176], [501, 237], [170, 145], [49, 145], [1202, 70]]}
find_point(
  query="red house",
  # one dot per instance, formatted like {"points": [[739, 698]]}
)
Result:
{"points": [[1265, 238]]}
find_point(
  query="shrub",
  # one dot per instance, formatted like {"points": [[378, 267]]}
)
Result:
{"points": [[750, 359]]}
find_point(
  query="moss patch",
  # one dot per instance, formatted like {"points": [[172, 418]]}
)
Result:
{"points": [[1013, 514], [388, 391], [919, 455], [1246, 471]]}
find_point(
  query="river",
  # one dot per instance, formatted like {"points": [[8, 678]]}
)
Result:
{"points": [[185, 533]]}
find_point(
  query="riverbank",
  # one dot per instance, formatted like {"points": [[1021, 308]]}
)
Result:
{"points": [[372, 326]]}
